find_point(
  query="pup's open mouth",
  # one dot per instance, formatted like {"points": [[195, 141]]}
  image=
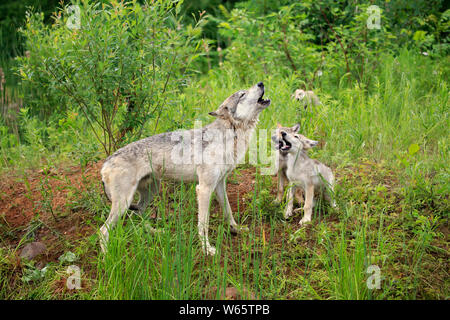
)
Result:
{"points": [[263, 102], [284, 145]]}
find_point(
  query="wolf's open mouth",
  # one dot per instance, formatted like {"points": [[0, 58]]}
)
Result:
{"points": [[264, 102]]}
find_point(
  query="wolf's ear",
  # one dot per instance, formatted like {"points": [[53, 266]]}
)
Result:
{"points": [[279, 125], [227, 107], [296, 128], [219, 112]]}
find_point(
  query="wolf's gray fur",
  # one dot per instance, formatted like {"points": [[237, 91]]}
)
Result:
{"points": [[141, 165], [301, 171]]}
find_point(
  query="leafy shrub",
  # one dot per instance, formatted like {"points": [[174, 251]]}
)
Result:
{"points": [[118, 68]]}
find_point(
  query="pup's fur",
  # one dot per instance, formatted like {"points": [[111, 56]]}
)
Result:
{"points": [[141, 165], [306, 98], [302, 171]]}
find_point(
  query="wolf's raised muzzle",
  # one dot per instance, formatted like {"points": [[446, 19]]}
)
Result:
{"points": [[261, 101]]}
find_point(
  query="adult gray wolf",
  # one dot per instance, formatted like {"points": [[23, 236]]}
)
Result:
{"points": [[303, 172], [207, 155]]}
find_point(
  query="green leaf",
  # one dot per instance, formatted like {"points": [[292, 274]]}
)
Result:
{"points": [[413, 149]]}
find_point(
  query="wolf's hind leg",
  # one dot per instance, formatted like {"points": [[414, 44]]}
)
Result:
{"points": [[122, 191], [222, 197]]}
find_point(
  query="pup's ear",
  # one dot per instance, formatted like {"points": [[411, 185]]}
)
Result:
{"points": [[296, 128], [279, 125]]}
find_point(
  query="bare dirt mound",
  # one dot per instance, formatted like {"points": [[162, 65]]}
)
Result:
{"points": [[39, 204]]}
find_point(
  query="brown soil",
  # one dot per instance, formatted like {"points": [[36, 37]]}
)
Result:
{"points": [[237, 192], [23, 199]]}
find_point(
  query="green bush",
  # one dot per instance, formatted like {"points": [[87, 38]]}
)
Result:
{"points": [[117, 69]]}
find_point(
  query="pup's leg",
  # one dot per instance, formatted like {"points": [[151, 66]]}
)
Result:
{"points": [[221, 194], [309, 198], [122, 191], [329, 192], [299, 196], [282, 179], [290, 202], [204, 192], [329, 198]]}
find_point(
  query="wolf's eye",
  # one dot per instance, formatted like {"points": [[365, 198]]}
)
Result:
{"points": [[242, 94]]}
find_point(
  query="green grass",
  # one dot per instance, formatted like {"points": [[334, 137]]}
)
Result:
{"points": [[392, 202]]}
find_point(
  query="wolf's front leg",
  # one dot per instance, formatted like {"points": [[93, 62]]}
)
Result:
{"points": [[203, 196], [290, 202]]}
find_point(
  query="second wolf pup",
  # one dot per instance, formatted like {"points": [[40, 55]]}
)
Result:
{"points": [[282, 162], [303, 172]]}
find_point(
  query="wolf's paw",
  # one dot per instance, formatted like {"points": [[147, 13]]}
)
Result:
{"points": [[287, 214], [210, 251], [304, 221], [238, 229]]}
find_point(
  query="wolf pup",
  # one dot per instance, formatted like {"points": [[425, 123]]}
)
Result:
{"points": [[282, 164], [306, 98], [302, 171], [141, 165]]}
